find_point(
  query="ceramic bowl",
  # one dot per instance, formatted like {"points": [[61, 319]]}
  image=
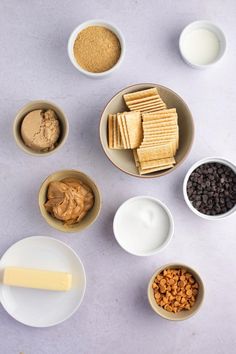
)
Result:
{"points": [[92, 214], [123, 159], [34, 105], [101, 23], [182, 315], [207, 26], [192, 168], [145, 246]]}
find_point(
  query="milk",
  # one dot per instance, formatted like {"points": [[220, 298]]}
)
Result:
{"points": [[201, 46]]}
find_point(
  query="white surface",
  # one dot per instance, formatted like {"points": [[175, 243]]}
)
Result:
{"points": [[115, 317], [192, 168], [202, 44], [82, 26], [42, 308], [143, 226]]}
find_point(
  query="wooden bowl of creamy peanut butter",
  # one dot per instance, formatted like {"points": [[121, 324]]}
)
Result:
{"points": [[69, 200]]}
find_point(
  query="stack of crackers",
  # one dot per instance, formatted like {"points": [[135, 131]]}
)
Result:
{"points": [[149, 129], [125, 130]]}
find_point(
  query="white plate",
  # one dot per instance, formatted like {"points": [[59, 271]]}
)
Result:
{"points": [[43, 308]]}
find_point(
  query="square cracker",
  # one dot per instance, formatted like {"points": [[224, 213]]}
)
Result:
{"points": [[136, 160], [153, 143], [168, 111], [147, 103], [110, 131], [155, 152], [123, 120], [153, 109], [141, 94], [114, 131], [154, 169], [123, 137], [159, 140], [161, 130], [156, 121], [134, 128], [158, 127], [160, 137], [145, 165], [119, 143]]}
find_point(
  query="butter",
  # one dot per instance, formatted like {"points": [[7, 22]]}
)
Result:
{"points": [[37, 279]]}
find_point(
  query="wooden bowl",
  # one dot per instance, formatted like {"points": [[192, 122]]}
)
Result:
{"points": [[89, 218], [123, 159]]}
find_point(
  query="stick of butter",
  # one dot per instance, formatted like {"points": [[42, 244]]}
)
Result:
{"points": [[37, 279]]}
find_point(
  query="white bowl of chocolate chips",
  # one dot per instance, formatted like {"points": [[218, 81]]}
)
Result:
{"points": [[210, 188]]}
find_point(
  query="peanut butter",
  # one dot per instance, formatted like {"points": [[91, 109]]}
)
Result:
{"points": [[69, 200]]}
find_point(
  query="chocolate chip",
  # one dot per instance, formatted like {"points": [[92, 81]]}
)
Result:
{"points": [[212, 188]]}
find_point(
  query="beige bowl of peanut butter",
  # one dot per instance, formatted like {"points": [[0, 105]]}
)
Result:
{"points": [[69, 200]]}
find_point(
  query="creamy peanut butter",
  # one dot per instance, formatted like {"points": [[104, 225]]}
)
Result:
{"points": [[69, 200]]}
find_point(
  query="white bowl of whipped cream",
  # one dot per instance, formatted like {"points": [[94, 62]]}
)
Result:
{"points": [[143, 226]]}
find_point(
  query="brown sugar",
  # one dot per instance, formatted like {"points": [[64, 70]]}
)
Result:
{"points": [[97, 49]]}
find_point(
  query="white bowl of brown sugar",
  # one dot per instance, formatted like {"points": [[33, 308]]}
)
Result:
{"points": [[96, 48]]}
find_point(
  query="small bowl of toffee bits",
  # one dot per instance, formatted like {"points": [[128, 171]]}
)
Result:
{"points": [[175, 292], [210, 188], [96, 48]]}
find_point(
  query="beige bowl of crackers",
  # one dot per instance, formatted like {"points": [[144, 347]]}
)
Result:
{"points": [[69, 200], [175, 292], [146, 130]]}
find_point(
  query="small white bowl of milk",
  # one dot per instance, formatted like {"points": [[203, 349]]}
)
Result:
{"points": [[202, 44], [143, 226]]}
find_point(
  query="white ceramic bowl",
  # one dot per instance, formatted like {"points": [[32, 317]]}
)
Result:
{"points": [[142, 244], [194, 166], [101, 23], [208, 26]]}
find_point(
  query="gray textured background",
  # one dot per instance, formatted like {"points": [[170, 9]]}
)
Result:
{"points": [[115, 317]]}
